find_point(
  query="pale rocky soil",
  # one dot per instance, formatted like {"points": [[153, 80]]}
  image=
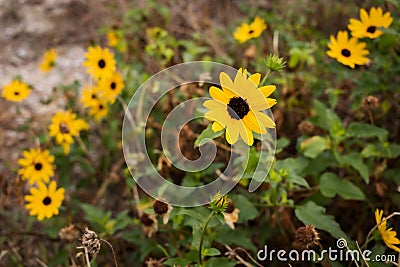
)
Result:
{"points": [[27, 28]]}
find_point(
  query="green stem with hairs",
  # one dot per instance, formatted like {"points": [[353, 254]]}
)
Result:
{"points": [[202, 237], [265, 78]]}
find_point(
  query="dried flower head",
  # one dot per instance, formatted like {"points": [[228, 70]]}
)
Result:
{"points": [[68, 233], [306, 128], [149, 224], [231, 214], [306, 237], [370, 102], [90, 242], [163, 209], [153, 263]]}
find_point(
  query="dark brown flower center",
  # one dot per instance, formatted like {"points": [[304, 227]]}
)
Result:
{"points": [[346, 52], [230, 208], [101, 63], [146, 220], [101, 106], [94, 96], [16, 93], [251, 31], [238, 108], [38, 166], [371, 29], [64, 129], [160, 207], [46, 201], [113, 85]]}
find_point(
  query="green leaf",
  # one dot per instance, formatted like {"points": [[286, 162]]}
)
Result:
{"points": [[220, 262], [311, 213], [191, 213], [206, 134], [355, 160], [247, 211], [314, 146], [298, 180], [177, 262], [330, 185], [327, 118], [364, 130], [211, 252], [281, 144], [385, 150]]}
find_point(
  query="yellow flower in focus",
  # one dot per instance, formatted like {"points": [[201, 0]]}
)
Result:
{"points": [[238, 107], [99, 62], [43, 201], [48, 60], [64, 126], [246, 32], [90, 96], [388, 236], [36, 165], [15, 91], [347, 51], [99, 109], [112, 86], [112, 39], [369, 25]]}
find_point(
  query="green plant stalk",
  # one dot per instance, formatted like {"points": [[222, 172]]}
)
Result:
{"points": [[202, 237], [265, 78]]}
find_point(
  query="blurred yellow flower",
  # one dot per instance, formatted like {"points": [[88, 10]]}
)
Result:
{"points": [[369, 25], [15, 91], [99, 109], [43, 201], [90, 95], [238, 107], [48, 60], [112, 86], [347, 51], [246, 32], [64, 126], [99, 62], [388, 236], [112, 39], [36, 165]]}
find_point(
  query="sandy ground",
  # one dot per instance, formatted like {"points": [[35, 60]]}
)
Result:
{"points": [[27, 28]]}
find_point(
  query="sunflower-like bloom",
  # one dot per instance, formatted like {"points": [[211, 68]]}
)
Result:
{"points": [[238, 107], [99, 62], [112, 86], [36, 165], [43, 201], [90, 95], [15, 91], [48, 60], [347, 51], [246, 32], [99, 109], [64, 126], [388, 236], [369, 25], [112, 39]]}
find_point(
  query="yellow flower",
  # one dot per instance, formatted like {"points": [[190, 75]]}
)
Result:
{"points": [[15, 91], [347, 51], [36, 166], [99, 109], [48, 60], [90, 95], [64, 126], [99, 62], [112, 39], [388, 236], [43, 201], [245, 31], [112, 86], [369, 24], [238, 107]]}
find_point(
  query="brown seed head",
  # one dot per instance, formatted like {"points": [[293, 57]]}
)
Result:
{"points": [[91, 241], [68, 233], [370, 102], [146, 220], [306, 237], [306, 128], [160, 207]]}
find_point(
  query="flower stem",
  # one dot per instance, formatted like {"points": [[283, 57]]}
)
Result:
{"points": [[265, 78], [202, 237]]}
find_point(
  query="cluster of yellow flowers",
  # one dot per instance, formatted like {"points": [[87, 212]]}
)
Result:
{"points": [[349, 51], [100, 63]]}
